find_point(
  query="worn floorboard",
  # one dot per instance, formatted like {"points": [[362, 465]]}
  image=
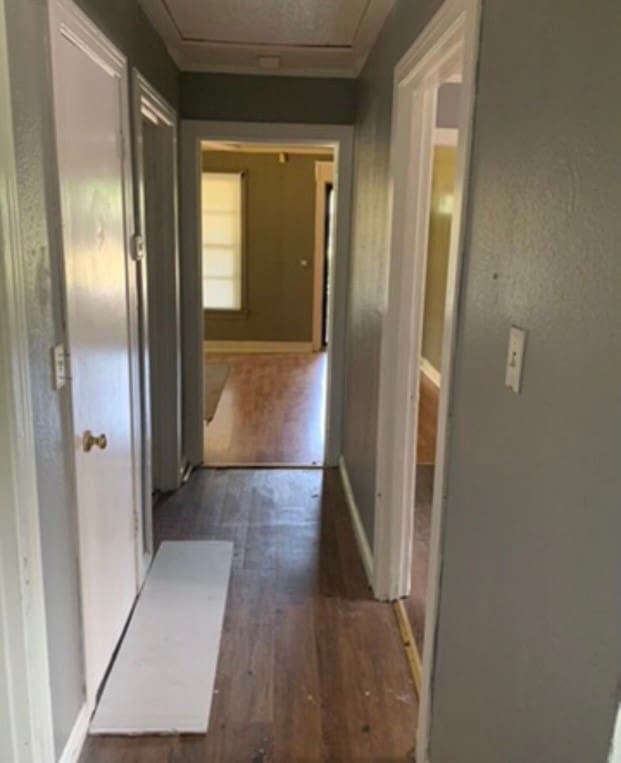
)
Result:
{"points": [[311, 668]]}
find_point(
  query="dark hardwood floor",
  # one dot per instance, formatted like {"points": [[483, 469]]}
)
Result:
{"points": [[311, 668]]}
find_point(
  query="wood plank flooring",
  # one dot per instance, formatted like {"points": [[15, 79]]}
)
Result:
{"points": [[272, 410], [415, 603], [311, 668], [425, 460], [427, 422]]}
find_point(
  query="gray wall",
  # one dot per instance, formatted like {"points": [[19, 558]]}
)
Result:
{"points": [[250, 98], [447, 110], [26, 28], [529, 643], [28, 35], [529, 651]]}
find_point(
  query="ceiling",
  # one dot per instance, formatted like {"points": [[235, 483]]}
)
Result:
{"points": [[290, 37]]}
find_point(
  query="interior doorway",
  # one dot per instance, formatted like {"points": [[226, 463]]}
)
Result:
{"points": [[267, 220], [157, 255], [339, 140], [418, 339], [441, 202]]}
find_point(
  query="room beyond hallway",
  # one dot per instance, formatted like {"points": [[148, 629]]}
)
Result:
{"points": [[427, 421], [271, 410], [311, 667]]}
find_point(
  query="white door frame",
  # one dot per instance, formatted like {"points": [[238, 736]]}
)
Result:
{"points": [[149, 104], [77, 27], [26, 730], [324, 174], [337, 137], [450, 39]]}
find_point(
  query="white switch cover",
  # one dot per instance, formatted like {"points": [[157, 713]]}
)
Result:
{"points": [[515, 359], [59, 367]]}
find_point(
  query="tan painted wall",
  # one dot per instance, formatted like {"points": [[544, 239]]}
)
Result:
{"points": [[437, 260], [280, 231]]}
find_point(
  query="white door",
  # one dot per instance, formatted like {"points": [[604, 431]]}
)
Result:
{"points": [[89, 88]]}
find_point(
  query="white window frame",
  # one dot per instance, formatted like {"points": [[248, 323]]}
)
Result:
{"points": [[242, 245]]}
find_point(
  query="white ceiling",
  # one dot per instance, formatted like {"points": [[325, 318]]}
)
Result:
{"points": [[308, 37]]}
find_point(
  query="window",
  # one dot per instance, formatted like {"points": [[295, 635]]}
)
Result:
{"points": [[222, 205]]}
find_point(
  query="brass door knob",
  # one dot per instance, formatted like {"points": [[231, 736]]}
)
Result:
{"points": [[90, 441]]}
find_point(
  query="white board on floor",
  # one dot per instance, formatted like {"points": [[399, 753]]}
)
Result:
{"points": [[162, 680]]}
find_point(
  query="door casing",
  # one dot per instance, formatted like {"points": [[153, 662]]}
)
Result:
{"points": [[150, 105], [324, 174], [340, 139], [449, 41]]}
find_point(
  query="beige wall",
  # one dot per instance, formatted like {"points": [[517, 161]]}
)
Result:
{"points": [[280, 232], [437, 259]]}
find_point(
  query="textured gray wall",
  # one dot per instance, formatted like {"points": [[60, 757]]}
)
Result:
{"points": [[27, 28], [529, 651], [28, 34], [447, 114], [369, 257], [529, 643], [249, 98]]}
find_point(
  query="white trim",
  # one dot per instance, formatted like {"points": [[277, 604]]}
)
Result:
{"points": [[77, 737], [448, 43], [340, 139], [366, 554], [25, 696], [147, 102], [243, 347], [431, 372], [445, 136], [324, 174], [67, 20]]}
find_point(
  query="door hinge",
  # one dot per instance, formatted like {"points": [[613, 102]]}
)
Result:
{"points": [[138, 247]]}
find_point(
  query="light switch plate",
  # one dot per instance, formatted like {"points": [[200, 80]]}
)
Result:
{"points": [[515, 359], [59, 367]]}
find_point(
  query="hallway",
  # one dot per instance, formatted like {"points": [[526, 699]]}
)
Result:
{"points": [[311, 668]]}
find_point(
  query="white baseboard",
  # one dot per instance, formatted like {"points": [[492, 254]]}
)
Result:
{"points": [[279, 348], [431, 372], [75, 743], [361, 537]]}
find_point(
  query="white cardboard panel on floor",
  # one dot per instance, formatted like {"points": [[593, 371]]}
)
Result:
{"points": [[162, 681]]}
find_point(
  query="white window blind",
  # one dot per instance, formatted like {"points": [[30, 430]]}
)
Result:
{"points": [[222, 211]]}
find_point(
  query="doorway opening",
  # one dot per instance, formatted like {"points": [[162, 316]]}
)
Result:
{"points": [[441, 200], [267, 222], [434, 104]]}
